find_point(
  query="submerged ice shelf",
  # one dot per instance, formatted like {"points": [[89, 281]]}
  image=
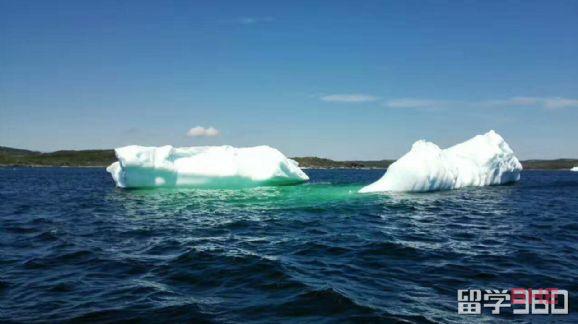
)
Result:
{"points": [[203, 167], [480, 161]]}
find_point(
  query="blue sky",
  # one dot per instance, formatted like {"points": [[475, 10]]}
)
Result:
{"points": [[338, 79]]}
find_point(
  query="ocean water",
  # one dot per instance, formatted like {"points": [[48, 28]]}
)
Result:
{"points": [[75, 248]]}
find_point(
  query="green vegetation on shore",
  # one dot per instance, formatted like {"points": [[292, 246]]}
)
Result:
{"points": [[315, 162], [17, 157], [102, 158]]}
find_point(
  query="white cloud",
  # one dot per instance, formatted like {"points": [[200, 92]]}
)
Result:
{"points": [[536, 102], [200, 131], [349, 98], [416, 103], [560, 103], [212, 131], [543, 102]]}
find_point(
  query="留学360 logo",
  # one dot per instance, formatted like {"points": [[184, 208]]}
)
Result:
{"points": [[518, 301]]}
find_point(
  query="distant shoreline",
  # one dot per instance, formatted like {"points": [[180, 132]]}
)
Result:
{"points": [[18, 158], [40, 166], [7, 166]]}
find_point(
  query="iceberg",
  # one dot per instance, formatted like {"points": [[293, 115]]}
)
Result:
{"points": [[575, 169], [483, 160], [203, 167]]}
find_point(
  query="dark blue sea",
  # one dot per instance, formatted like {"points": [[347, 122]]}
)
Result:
{"points": [[75, 248]]}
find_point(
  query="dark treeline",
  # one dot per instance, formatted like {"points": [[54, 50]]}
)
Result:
{"points": [[101, 158]]}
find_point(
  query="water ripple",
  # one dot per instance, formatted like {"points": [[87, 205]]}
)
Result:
{"points": [[74, 248]]}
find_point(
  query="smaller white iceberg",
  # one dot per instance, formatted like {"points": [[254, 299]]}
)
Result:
{"points": [[203, 167], [575, 169], [481, 161]]}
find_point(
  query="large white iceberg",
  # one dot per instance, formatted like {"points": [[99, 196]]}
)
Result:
{"points": [[481, 161], [575, 169], [203, 167]]}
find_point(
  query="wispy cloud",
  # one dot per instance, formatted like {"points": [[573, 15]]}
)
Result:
{"points": [[252, 20], [535, 102], [349, 98], [200, 131], [543, 102], [416, 103]]}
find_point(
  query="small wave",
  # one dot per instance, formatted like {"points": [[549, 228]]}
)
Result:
{"points": [[178, 313], [317, 252], [75, 257]]}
